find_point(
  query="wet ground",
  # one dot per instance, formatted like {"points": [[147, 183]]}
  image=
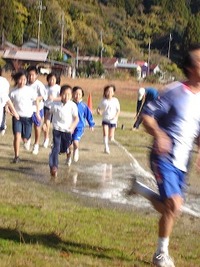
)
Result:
{"points": [[97, 176]]}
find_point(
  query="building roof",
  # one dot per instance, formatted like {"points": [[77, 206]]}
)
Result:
{"points": [[88, 58], [109, 63], [32, 43], [25, 54]]}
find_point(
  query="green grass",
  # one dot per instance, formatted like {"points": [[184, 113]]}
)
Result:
{"points": [[41, 227]]}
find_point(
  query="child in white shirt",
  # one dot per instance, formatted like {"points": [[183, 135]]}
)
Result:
{"points": [[109, 108], [65, 120], [23, 98]]}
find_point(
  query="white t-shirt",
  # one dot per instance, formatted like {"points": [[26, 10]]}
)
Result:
{"points": [[23, 100], [4, 85], [39, 87], [3, 100], [110, 107], [177, 112], [52, 91], [63, 115]]}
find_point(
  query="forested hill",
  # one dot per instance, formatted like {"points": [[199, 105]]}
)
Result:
{"points": [[121, 28]]}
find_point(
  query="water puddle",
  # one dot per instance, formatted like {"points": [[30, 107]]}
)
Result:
{"points": [[111, 182]]}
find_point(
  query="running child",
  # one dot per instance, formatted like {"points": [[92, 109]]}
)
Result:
{"points": [[53, 94], [84, 114], [39, 88], [109, 108], [23, 97], [64, 121]]}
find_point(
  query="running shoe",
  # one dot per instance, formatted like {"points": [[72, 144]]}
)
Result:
{"points": [[68, 161], [143, 190], [46, 143], [53, 172], [107, 150], [27, 144], [16, 160], [162, 260], [35, 149]]}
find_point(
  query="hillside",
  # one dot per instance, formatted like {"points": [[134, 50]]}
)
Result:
{"points": [[120, 28]]}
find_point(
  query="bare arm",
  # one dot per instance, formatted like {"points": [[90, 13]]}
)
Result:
{"points": [[74, 124], [12, 109], [162, 140]]}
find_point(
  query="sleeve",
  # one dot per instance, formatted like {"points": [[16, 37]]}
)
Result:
{"points": [[42, 91], [89, 117], [160, 106]]}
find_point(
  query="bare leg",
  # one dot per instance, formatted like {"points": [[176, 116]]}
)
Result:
{"points": [[171, 210], [16, 144]]}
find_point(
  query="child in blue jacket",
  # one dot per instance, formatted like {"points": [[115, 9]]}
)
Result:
{"points": [[85, 115]]}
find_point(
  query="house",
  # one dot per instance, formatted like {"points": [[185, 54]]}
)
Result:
{"points": [[109, 63], [33, 43], [21, 57]]}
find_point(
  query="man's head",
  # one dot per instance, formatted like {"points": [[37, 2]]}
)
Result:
{"points": [[141, 93], [191, 59]]}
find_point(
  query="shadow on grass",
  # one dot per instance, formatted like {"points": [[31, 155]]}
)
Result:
{"points": [[52, 240]]}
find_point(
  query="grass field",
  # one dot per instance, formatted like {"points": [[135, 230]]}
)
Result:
{"points": [[43, 227]]}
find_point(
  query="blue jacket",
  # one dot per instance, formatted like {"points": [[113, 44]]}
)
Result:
{"points": [[84, 114]]}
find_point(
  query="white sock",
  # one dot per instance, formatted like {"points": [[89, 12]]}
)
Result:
{"points": [[163, 243], [105, 139]]}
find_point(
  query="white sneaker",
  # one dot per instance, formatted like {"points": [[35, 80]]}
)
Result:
{"points": [[76, 155], [69, 161], [143, 190], [35, 149], [3, 132], [107, 150], [46, 143], [162, 260], [27, 144]]}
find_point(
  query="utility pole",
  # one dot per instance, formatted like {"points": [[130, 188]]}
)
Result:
{"points": [[77, 55], [40, 8], [102, 48], [149, 54], [169, 46], [62, 32]]}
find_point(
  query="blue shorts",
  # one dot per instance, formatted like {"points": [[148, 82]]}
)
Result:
{"points": [[110, 125], [77, 134], [23, 126], [170, 180], [34, 118]]}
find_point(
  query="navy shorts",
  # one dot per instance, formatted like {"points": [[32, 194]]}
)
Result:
{"points": [[47, 114], [170, 180], [23, 126], [34, 118], [110, 125]]}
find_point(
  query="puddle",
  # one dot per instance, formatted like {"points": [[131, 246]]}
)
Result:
{"points": [[110, 182]]}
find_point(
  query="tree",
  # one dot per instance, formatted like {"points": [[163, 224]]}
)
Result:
{"points": [[192, 31]]}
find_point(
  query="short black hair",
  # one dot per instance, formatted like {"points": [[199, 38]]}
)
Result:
{"points": [[33, 68], [75, 88], [188, 59], [16, 76], [65, 87], [50, 75], [107, 87]]}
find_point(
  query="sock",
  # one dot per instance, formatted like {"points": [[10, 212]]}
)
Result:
{"points": [[105, 139], [163, 243]]}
